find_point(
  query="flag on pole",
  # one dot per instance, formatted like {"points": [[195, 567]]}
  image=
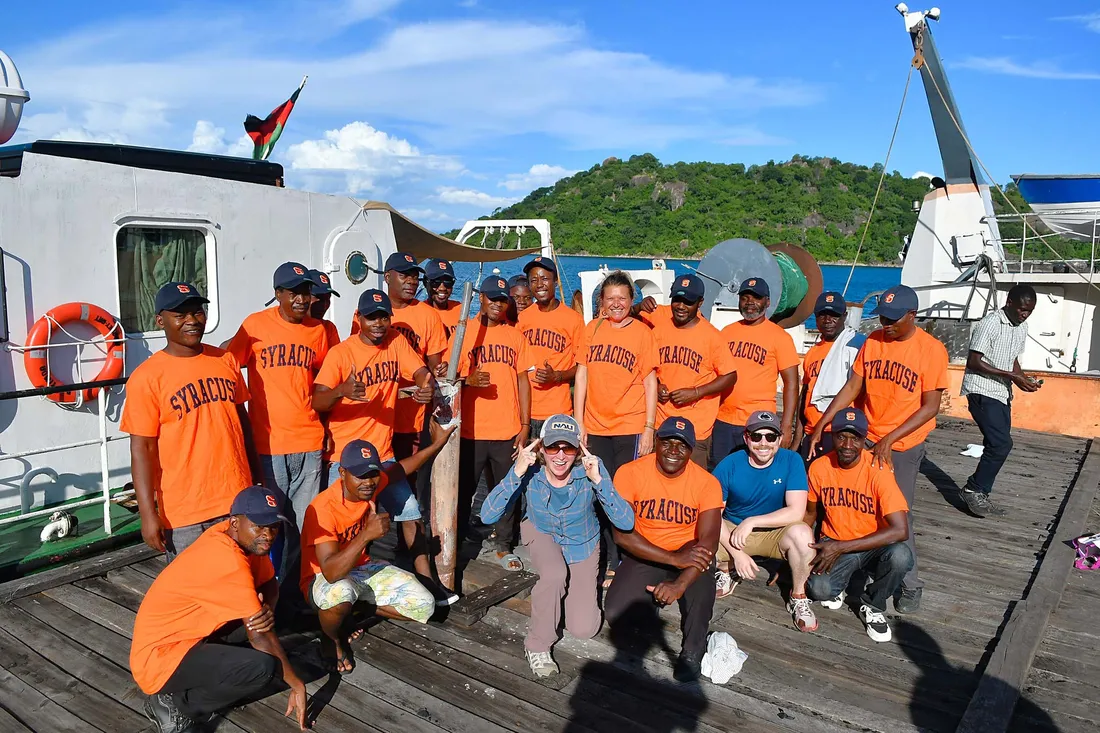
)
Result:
{"points": [[265, 133]]}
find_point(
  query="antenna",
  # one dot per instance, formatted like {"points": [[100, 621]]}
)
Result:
{"points": [[12, 98]]}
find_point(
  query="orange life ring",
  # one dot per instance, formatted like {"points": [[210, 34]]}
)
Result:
{"points": [[36, 358]]}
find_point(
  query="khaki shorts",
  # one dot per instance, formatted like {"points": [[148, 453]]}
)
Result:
{"points": [[762, 543]]}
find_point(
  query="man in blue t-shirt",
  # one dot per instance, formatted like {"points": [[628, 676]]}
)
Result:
{"points": [[764, 488]]}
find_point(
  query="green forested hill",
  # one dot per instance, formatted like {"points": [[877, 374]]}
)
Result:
{"points": [[642, 207]]}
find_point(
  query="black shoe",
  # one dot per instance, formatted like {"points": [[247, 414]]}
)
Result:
{"points": [[907, 600], [162, 711], [976, 502], [688, 667]]}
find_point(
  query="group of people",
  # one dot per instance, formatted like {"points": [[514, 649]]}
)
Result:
{"points": [[641, 454]]}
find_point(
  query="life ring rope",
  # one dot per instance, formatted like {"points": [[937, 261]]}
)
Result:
{"points": [[39, 342]]}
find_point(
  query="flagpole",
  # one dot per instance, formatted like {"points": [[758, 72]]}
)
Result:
{"points": [[303, 84]]}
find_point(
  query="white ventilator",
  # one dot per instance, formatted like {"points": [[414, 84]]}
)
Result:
{"points": [[61, 524], [12, 98]]}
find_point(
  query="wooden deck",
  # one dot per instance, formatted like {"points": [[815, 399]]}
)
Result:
{"points": [[64, 642]]}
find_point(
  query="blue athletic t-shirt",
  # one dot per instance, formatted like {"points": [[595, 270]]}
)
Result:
{"points": [[751, 492]]}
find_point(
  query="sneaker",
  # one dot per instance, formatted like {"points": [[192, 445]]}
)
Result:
{"points": [[979, 504], [162, 711], [689, 667], [723, 584], [907, 600], [803, 615], [542, 664], [834, 604], [875, 622]]}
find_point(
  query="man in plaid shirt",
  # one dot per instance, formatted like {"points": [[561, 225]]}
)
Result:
{"points": [[992, 367]]}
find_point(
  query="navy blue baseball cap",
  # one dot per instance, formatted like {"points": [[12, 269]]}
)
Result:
{"points": [[678, 427], [438, 270], [689, 287], [494, 287], [402, 262], [360, 458], [290, 275], [851, 418], [546, 263], [896, 302], [517, 280], [372, 301], [173, 295], [262, 506], [757, 286], [322, 285], [830, 302]]}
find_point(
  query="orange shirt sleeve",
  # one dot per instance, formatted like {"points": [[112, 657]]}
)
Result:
{"points": [[141, 415], [240, 395], [890, 497], [240, 346], [813, 481], [785, 354], [435, 336], [318, 526], [408, 361], [721, 358], [647, 353], [625, 483], [335, 368], [933, 373], [262, 569], [710, 493], [857, 365], [525, 359], [464, 351]]}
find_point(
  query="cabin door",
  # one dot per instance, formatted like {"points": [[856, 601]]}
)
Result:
{"points": [[353, 261]]}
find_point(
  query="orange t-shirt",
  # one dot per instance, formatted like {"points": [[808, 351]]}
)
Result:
{"points": [[856, 499], [281, 359], [760, 353], [189, 404], [666, 510], [382, 368], [492, 413], [449, 317], [211, 583], [552, 337], [332, 518], [618, 361], [691, 357], [331, 332], [895, 374], [423, 327], [811, 367]]}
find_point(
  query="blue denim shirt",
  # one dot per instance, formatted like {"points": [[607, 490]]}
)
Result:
{"points": [[567, 514]]}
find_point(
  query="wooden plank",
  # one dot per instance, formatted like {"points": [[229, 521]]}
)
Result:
{"points": [[78, 570], [9, 722], [35, 710], [472, 607], [95, 608], [990, 709]]}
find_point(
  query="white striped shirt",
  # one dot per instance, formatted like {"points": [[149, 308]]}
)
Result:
{"points": [[1000, 343]]}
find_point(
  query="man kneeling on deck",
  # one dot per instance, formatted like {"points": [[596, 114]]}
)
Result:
{"points": [[864, 525], [187, 652], [340, 523]]}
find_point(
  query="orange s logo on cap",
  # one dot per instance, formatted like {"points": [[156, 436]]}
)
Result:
{"points": [[377, 297], [299, 271], [889, 298], [500, 283], [271, 501], [324, 279], [442, 265], [850, 416], [183, 288], [685, 282], [752, 282], [828, 299], [681, 425], [367, 453], [408, 258]]}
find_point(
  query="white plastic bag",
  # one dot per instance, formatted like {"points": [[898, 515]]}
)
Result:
{"points": [[723, 659]]}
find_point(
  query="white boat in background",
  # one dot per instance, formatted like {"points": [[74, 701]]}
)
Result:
{"points": [[1069, 205]]}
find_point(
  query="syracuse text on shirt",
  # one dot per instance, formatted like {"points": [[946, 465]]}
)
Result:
{"points": [[682, 355], [609, 354], [493, 353], [748, 350], [202, 391], [547, 338], [892, 371], [812, 370], [850, 498], [412, 336], [346, 535], [665, 510], [382, 371], [287, 355]]}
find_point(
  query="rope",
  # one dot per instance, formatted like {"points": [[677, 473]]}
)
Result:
{"points": [[874, 202]]}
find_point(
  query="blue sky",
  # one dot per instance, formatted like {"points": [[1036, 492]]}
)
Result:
{"points": [[448, 109]]}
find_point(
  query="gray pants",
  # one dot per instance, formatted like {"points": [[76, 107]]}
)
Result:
{"points": [[906, 469], [575, 582], [178, 539], [298, 475]]}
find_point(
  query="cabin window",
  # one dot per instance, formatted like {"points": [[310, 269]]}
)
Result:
{"points": [[149, 257], [356, 268]]}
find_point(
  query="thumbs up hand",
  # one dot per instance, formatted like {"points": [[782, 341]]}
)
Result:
{"points": [[352, 388], [546, 374]]}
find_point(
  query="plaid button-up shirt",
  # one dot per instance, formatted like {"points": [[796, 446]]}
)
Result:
{"points": [[1000, 343], [567, 514]]}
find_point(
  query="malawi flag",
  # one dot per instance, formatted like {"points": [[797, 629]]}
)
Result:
{"points": [[265, 133]]}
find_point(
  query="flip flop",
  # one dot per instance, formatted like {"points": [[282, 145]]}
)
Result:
{"points": [[334, 657], [509, 561]]}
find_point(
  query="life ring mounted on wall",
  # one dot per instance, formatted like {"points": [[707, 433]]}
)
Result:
{"points": [[36, 353]]}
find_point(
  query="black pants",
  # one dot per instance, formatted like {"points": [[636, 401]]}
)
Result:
{"points": [[994, 419], [494, 459], [724, 440], [823, 447], [615, 451], [628, 597], [214, 674]]}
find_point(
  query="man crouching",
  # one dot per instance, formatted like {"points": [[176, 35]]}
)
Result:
{"points": [[340, 524]]}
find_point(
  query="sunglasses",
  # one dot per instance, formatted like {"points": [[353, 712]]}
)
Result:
{"points": [[763, 435], [560, 448]]}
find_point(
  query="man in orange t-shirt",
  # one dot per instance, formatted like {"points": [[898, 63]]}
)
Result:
{"points": [[322, 298], [188, 652], [694, 367], [439, 281], [669, 555], [553, 332], [898, 379], [496, 410], [763, 352], [185, 415], [864, 525]]}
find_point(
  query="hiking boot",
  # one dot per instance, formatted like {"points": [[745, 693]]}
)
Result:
{"points": [[542, 664], [723, 584], [689, 667], [162, 711], [802, 613], [834, 604], [907, 600], [875, 623]]}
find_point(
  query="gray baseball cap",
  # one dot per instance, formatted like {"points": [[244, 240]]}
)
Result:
{"points": [[762, 419], [561, 429]]}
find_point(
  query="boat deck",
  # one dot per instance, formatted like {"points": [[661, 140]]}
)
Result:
{"points": [[990, 603]]}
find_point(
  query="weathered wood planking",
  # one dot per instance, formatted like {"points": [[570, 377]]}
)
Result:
{"points": [[78, 570]]}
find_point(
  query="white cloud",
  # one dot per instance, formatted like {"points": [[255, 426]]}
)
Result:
{"points": [[750, 136], [1034, 70], [469, 197], [1091, 21], [537, 176], [923, 174], [208, 138], [420, 215], [135, 121]]}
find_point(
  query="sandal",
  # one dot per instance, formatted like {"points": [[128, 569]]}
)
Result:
{"points": [[337, 658], [608, 579], [509, 561]]}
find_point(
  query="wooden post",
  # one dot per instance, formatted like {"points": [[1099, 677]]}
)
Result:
{"points": [[445, 465]]}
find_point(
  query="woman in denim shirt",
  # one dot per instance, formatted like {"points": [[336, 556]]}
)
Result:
{"points": [[562, 482]]}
